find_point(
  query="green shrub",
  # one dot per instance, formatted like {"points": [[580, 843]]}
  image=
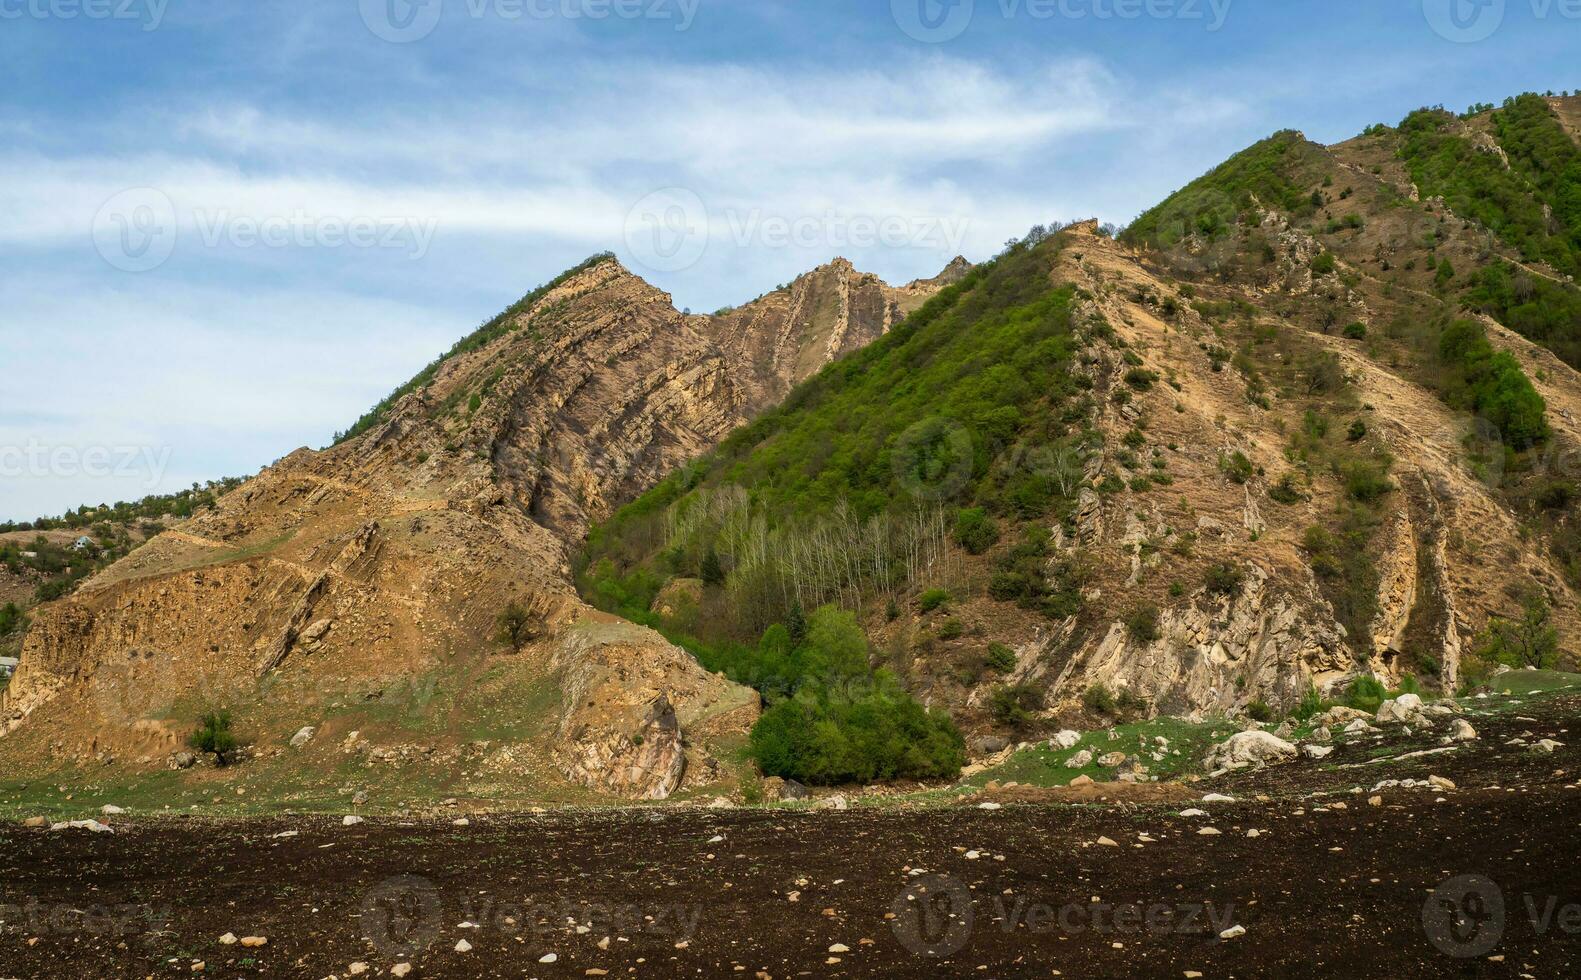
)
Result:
{"points": [[1259, 710], [934, 599], [11, 618], [214, 735], [1355, 331], [953, 629], [1311, 704], [1100, 700], [1141, 379], [1366, 480], [1225, 579], [1324, 264], [1287, 490], [1491, 383], [1000, 658], [712, 570], [514, 626], [1236, 466], [1015, 704], [975, 530], [881, 733], [1142, 623], [1366, 693], [1526, 640]]}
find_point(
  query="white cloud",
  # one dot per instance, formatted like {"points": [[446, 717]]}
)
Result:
{"points": [[214, 357]]}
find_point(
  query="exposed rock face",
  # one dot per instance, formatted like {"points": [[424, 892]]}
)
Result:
{"points": [[787, 335], [391, 554], [1211, 651]]}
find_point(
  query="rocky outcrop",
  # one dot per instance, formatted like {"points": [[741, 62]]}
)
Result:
{"points": [[1215, 653]]}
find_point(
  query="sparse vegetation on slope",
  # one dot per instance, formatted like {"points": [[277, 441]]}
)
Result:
{"points": [[963, 415], [1220, 199], [489, 332]]}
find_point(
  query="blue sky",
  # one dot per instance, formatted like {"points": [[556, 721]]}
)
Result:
{"points": [[229, 227]]}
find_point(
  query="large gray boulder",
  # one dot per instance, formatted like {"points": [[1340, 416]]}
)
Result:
{"points": [[1245, 750], [1403, 710]]}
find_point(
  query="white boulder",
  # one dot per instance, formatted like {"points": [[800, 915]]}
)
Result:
{"points": [[1247, 749], [1403, 710]]}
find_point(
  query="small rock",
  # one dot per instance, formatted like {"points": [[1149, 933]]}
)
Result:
{"points": [[1080, 760], [357, 969], [93, 825], [988, 806], [350, 820], [462, 946], [1208, 832], [400, 969], [229, 939], [1106, 842], [1112, 759], [111, 810], [548, 957], [1461, 731], [1066, 739], [461, 822], [1375, 801], [1312, 751], [1232, 932], [1193, 812], [302, 737], [1082, 780], [1547, 746], [1439, 782], [36, 822], [839, 948], [253, 942]]}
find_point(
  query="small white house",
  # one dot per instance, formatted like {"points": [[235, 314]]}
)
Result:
{"points": [[83, 543], [8, 666]]}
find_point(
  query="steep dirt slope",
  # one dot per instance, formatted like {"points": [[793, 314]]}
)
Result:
{"points": [[334, 578]]}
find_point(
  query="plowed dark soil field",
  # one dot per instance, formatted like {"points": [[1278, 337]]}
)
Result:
{"points": [[1480, 880]]}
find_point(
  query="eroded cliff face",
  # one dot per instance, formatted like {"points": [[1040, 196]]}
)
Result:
{"points": [[1448, 552], [389, 556], [787, 335]]}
